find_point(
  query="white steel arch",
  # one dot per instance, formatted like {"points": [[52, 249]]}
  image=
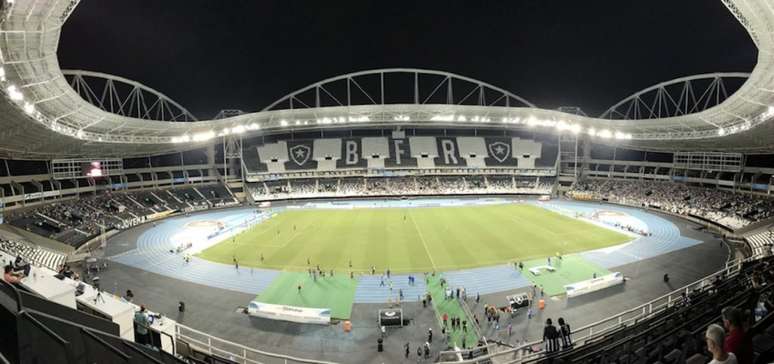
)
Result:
{"points": [[41, 115], [675, 97], [122, 96], [441, 91]]}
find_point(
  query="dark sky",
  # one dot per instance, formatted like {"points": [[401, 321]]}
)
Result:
{"points": [[211, 55]]}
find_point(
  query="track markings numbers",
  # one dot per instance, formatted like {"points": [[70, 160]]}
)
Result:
{"points": [[422, 238]]}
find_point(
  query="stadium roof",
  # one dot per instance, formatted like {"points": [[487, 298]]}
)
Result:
{"points": [[42, 116]]}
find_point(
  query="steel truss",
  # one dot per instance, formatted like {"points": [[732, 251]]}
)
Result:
{"points": [[125, 97], [375, 87], [681, 96], [48, 118], [232, 156]]}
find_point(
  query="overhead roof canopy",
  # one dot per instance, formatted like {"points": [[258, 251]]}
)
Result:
{"points": [[41, 116]]}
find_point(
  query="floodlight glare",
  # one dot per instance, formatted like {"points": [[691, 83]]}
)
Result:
{"points": [[14, 94], [29, 108], [203, 136], [575, 128]]}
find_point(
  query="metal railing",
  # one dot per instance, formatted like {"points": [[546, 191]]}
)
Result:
{"points": [[208, 344], [623, 319], [471, 319], [9, 288], [105, 344], [64, 344]]}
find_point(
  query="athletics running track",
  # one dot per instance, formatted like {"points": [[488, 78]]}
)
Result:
{"points": [[152, 254]]}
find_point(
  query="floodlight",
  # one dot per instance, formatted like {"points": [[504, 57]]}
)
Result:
{"points": [[575, 128], [29, 108], [14, 94], [200, 137]]}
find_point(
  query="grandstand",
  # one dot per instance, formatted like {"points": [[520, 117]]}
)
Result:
{"points": [[336, 222]]}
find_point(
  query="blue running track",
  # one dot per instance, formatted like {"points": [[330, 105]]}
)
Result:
{"points": [[153, 246]]}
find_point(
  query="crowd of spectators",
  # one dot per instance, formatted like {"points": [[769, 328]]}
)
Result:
{"points": [[733, 210], [727, 319], [400, 186], [75, 221]]}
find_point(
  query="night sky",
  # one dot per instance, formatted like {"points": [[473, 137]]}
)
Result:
{"points": [[212, 55]]}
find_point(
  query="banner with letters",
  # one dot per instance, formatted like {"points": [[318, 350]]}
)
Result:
{"points": [[448, 152], [351, 154], [441, 151], [400, 154]]}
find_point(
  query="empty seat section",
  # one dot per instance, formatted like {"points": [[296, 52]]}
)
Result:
{"points": [[274, 156], [473, 150], [326, 152], [375, 151], [424, 150], [526, 152]]}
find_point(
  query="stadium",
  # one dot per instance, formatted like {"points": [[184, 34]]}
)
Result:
{"points": [[379, 215]]}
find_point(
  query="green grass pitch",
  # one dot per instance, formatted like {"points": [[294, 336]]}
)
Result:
{"points": [[569, 269], [410, 239], [335, 293]]}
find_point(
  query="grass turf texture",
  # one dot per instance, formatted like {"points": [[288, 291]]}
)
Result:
{"points": [[569, 269], [452, 308], [411, 239], [336, 293]]}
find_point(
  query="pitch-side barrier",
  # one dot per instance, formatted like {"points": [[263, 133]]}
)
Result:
{"points": [[629, 317]]}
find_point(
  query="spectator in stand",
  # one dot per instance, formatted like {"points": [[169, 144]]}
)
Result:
{"points": [[19, 265], [565, 333], [734, 210], [66, 271], [550, 337], [401, 186], [737, 341], [715, 337], [10, 276], [141, 324]]}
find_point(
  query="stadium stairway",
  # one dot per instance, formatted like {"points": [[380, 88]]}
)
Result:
{"points": [[370, 290], [760, 243], [153, 254]]}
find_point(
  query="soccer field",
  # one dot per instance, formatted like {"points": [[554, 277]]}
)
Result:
{"points": [[410, 239]]}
